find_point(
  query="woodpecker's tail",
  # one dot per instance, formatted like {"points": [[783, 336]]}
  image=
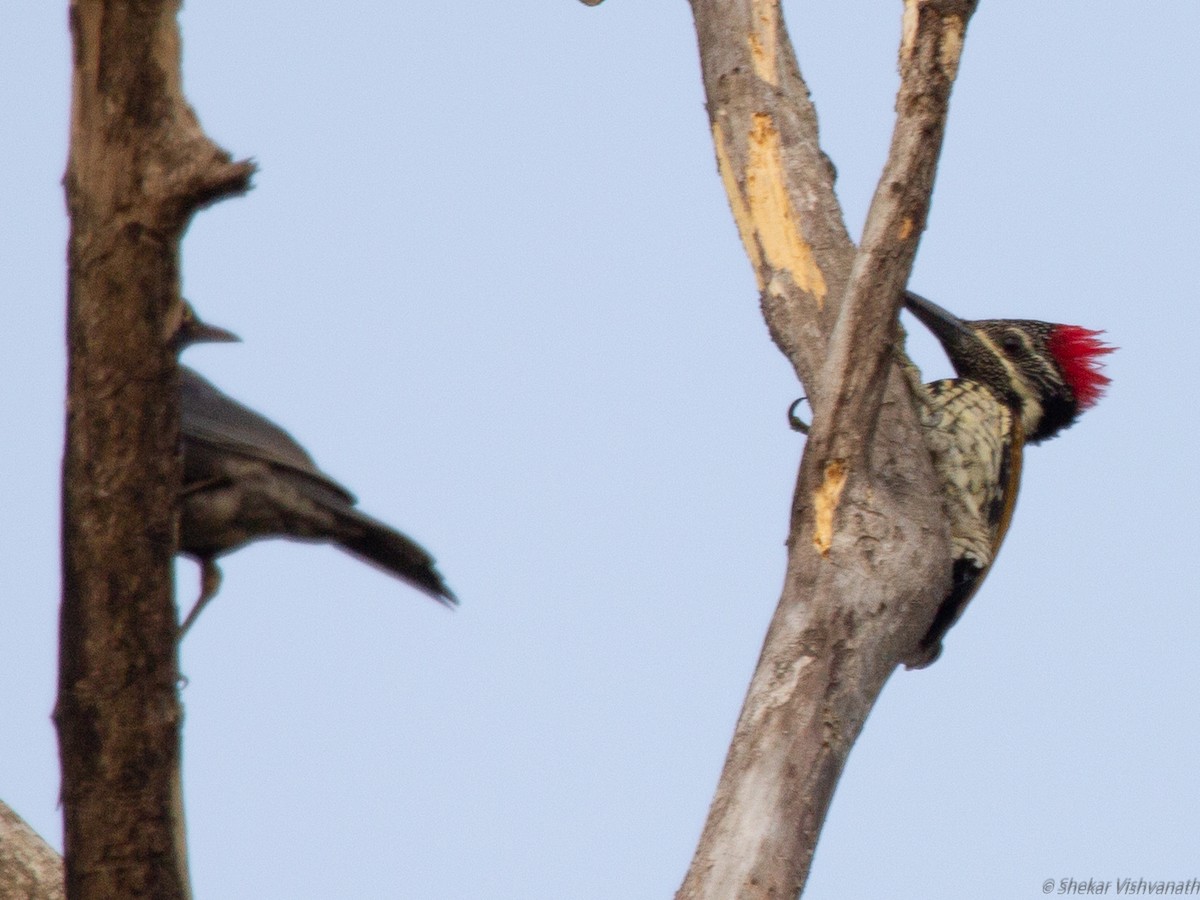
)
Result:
{"points": [[373, 542], [967, 577]]}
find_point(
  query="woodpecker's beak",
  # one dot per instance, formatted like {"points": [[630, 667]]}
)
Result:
{"points": [[951, 331]]}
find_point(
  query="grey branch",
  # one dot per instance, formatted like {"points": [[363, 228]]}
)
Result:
{"points": [[29, 867], [868, 552]]}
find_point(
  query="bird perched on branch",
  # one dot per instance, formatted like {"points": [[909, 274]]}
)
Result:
{"points": [[1019, 382], [247, 479]]}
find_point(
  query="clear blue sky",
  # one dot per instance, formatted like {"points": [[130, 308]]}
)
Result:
{"points": [[488, 276]]}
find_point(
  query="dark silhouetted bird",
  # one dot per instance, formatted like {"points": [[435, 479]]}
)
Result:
{"points": [[247, 479]]}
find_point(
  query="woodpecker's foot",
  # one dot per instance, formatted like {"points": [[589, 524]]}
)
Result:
{"points": [[210, 583], [797, 423]]}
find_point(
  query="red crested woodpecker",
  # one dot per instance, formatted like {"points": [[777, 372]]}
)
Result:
{"points": [[1019, 382]]}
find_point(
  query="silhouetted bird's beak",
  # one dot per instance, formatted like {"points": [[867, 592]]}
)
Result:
{"points": [[203, 333], [194, 330]]}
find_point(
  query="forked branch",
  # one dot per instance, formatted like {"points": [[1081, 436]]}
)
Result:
{"points": [[868, 549]]}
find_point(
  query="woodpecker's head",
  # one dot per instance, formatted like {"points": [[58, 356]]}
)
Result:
{"points": [[1045, 372], [191, 329]]}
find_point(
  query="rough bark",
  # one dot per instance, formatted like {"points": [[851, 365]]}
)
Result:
{"points": [[868, 551], [139, 167], [29, 867]]}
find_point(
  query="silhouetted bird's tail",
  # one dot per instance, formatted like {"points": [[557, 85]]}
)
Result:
{"points": [[372, 541], [246, 479]]}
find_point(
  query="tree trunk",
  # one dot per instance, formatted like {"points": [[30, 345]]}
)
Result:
{"points": [[139, 168], [868, 551]]}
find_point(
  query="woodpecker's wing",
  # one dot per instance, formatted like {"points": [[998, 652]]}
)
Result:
{"points": [[1010, 477], [213, 418], [978, 527]]}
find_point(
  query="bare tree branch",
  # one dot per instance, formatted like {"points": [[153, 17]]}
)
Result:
{"points": [[29, 867], [931, 44], [868, 550], [139, 167], [779, 182]]}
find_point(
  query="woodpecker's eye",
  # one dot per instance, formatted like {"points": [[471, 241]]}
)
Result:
{"points": [[1012, 344]]}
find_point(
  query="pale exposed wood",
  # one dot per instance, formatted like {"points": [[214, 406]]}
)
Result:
{"points": [[868, 549], [139, 167], [779, 182]]}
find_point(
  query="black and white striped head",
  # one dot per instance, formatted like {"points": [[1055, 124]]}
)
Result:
{"points": [[1046, 372]]}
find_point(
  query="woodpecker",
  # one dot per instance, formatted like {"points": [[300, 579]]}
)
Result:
{"points": [[1019, 382], [245, 479]]}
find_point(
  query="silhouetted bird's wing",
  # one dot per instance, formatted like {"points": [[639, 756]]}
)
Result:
{"points": [[217, 420], [247, 479]]}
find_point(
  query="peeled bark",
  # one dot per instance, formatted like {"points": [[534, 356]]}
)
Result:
{"points": [[139, 167]]}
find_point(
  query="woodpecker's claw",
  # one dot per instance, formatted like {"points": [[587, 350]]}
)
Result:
{"points": [[797, 423]]}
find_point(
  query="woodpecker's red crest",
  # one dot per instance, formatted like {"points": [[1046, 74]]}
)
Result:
{"points": [[1077, 351]]}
